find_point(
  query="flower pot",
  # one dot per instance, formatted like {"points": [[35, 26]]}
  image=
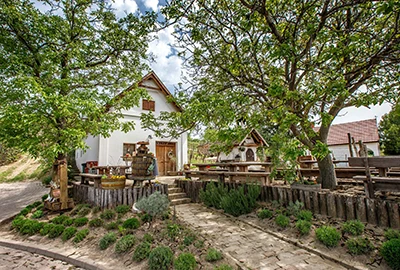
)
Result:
{"points": [[113, 183]]}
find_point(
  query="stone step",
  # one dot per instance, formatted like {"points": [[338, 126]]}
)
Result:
{"points": [[172, 186], [174, 190], [176, 195], [180, 201]]}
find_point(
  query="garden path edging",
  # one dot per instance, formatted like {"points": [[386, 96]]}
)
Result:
{"points": [[35, 248]]}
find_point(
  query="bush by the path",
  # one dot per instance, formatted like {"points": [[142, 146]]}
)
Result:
{"points": [[213, 195], [282, 221], [111, 226], [154, 205], [264, 213], [81, 235], [122, 209], [353, 227], [59, 219], [328, 235], [238, 202], [131, 223], [68, 233], [359, 245], [56, 231], [107, 240], [160, 258], [108, 214], [185, 261], [125, 243], [97, 222], [305, 215], [46, 229], [213, 255], [223, 267], [37, 214], [390, 251], [18, 222], [303, 226], [392, 234], [142, 251], [148, 238], [82, 221], [31, 227]]}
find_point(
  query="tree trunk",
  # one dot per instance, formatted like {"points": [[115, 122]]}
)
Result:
{"points": [[327, 172], [60, 173]]}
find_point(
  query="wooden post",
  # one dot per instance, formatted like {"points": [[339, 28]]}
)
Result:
{"points": [[355, 146], [369, 189], [350, 146], [62, 173]]}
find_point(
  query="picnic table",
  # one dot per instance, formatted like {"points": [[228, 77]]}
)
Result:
{"points": [[309, 163], [233, 166], [115, 168]]}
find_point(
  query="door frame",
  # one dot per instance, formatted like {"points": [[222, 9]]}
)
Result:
{"points": [[165, 165]]}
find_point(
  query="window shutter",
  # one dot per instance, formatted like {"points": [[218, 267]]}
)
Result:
{"points": [[145, 104], [152, 105]]}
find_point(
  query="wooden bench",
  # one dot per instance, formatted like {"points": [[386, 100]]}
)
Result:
{"points": [[262, 177], [96, 178], [386, 184]]}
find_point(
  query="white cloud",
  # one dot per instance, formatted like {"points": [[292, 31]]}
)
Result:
{"points": [[153, 4], [355, 114], [129, 6]]}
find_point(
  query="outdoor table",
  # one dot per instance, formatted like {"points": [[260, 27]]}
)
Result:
{"points": [[310, 163], [106, 169], [235, 166]]}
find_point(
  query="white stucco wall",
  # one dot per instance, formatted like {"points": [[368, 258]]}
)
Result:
{"points": [[235, 151], [342, 152], [108, 151]]}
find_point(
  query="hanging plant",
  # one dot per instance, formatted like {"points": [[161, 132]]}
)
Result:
{"points": [[242, 148]]}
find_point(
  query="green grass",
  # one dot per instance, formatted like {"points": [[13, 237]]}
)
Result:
{"points": [[18, 178], [4, 175]]}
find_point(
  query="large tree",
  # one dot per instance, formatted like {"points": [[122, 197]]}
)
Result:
{"points": [[60, 65], [389, 131], [297, 63]]}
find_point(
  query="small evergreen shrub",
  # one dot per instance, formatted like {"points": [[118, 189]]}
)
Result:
{"points": [[84, 211], [122, 209], [97, 222], [185, 261], [353, 227], [46, 229], [146, 218], [223, 267], [173, 230], [37, 214], [68, 222], [131, 223], [160, 258], [294, 208], [46, 180], [359, 245], [111, 226], [237, 202], [78, 208], [56, 231], [125, 243], [213, 194], [29, 207], [68, 233], [305, 215], [31, 227], [142, 251], [390, 251], [328, 235], [80, 235], [154, 205], [189, 239], [108, 214], [213, 255], [59, 219], [199, 244], [148, 238], [36, 204], [82, 221], [18, 222], [282, 221], [44, 197], [96, 209], [40, 207], [24, 211], [107, 240], [264, 213], [303, 226], [392, 234]]}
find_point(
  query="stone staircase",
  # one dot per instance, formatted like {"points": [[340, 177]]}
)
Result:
{"points": [[176, 195]]}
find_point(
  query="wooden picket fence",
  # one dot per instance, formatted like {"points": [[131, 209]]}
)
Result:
{"points": [[110, 198], [383, 213]]}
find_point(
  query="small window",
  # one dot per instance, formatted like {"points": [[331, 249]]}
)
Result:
{"points": [[128, 148], [148, 105]]}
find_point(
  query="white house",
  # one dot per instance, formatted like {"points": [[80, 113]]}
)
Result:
{"points": [[365, 130], [246, 150], [171, 154]]}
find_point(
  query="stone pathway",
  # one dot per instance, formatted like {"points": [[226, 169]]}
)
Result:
{"points": [[252, 247], [15, 196], [21, 260]]}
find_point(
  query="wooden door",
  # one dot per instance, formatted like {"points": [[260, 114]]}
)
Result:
{"points": [[166, 157], [249, 155]]}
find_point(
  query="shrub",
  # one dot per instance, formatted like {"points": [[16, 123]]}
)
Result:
{"points": [[213, 255], [189, 239], [37, 214], [82, 221], [96, 209], [146, 218], [46, 180], [282, 221], [185, 261], [24, 211], [392, 234], [68, 233], [97, 222], [108, 214], [154, 205], [359, 245], [36, 204], [111, 226], [148, 238], [199, 244], [131, 223], [294, 208], [31, 227], [84, 211], [56, 231], [264, 213], [122, 209], [173, 230], [160, 258], [303, 226], [305, 215], [328, 235], [223, 267], [59, 219], [18, 222], [78, 208], [68, 222], [81, 235], [213, 194], [353, 227], [44, 197], [237, 202], [142, 251], [390, 251], [125, 243], [46, 229], [40, 207], [107, 240]]}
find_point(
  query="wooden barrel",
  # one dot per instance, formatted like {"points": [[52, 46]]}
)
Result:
{"points": [[140, 164], [113, 183]]}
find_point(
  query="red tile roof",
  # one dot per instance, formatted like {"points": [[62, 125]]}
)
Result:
{"points": [[365, 130]]}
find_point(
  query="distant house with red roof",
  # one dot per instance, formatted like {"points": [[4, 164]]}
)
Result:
{"points": [[365, 130]]}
